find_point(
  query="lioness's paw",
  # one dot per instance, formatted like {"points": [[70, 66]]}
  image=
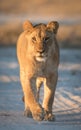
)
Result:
{"points": [[39, 114], [49, 117]]}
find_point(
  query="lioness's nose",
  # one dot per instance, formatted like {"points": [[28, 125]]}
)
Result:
{"points": [[41, 51]]}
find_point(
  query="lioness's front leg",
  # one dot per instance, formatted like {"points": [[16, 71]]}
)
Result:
{"points": [[29, 89], [49, 92]]}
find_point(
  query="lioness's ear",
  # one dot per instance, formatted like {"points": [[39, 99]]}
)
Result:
{"points": [[53, 26], [27, 25]]}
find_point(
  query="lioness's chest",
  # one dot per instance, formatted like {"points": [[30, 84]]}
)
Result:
{"points": [[44, 69], [40, 70]]}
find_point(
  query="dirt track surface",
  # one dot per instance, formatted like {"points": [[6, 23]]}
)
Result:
{"points": [[67, 105]]}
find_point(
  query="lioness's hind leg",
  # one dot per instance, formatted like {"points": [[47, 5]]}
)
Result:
{"points": [[38, 84]]}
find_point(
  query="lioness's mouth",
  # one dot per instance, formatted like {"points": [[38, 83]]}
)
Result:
{"points": [[41, 58]]}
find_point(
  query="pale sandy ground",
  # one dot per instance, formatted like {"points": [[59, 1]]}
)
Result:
{"points": [[67, 106]]}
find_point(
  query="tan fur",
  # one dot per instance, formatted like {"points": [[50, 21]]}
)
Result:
{"points": [[38, 56]]}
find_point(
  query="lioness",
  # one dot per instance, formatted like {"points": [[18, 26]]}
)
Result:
{"points": [[38, 56]]}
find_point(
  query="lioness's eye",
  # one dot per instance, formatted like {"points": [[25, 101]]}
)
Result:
{"points": [[33, 39], [46, 39]]}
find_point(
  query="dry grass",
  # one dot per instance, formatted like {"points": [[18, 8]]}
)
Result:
{"points": [[42, 7], [9, 33], [68, 35]]}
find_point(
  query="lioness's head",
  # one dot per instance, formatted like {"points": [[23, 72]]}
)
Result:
{"points": [[40, 38]]}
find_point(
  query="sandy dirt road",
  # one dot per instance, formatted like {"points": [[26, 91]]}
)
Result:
{"points": [[67, 105]]}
